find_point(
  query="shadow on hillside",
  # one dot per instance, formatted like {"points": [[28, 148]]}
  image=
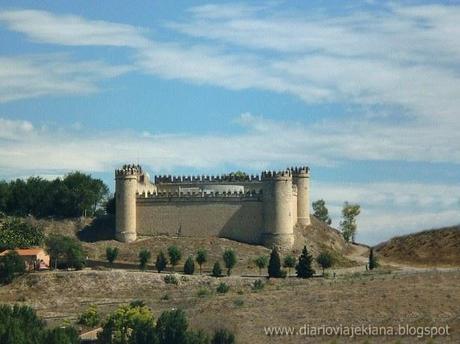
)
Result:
{"points": [[101, 228]]}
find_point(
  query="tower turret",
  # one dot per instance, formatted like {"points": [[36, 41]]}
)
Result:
{"points": [[301, 178], [126, 180], [277, 197]]}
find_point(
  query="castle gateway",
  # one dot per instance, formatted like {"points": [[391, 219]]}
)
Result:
{"points": [[261, 209]]}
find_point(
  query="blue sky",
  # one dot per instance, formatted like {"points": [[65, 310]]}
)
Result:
{"points": [[366, 94]]}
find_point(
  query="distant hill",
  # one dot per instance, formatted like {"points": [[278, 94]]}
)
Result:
{"points": [[434, 247]]}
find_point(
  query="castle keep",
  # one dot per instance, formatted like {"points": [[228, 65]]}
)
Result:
{"points": [[258, 209]]}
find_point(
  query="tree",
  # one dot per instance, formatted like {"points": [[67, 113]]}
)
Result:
{"points": [[325, 260], [261, 263], [372, 260], [161, 262], [303, 267], [201, 257], [65, 249], [348, 224], [189, 266], [223, 336], [15, 233], [174, 255], [321, 212], [216, 270], [229, 257], [172, 327], [10, 265], [197, 337], [61, 335], [111, 253], [144, 257], [289, 262], [90, 317], [110, 206], [125, 324], [274, 266]]}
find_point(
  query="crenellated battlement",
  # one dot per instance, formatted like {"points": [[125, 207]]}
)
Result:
{"points": [[225, 178], [267, 175], [128, 170], [257, 194], [300, 170]]}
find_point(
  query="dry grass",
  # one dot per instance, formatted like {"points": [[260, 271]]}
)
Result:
{"points": [[436, 247], [422, 299]]}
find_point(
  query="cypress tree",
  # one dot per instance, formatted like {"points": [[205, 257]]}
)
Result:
{"points": [[274, 265], [189, 266], [161, 262], [372, 260], [303, 267]]}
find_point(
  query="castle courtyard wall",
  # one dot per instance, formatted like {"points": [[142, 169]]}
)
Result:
{"points": [[229, 217]]}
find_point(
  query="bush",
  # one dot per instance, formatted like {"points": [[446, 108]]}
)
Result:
{"points": [[238, 302], [20, 325], [15, 233], [197, 337], [144, 257], [222, 288], [223, 337], [274, 266], [174, 255], [10, 265], [289, 263], [189, 266], [261, 263], [203, 292], [216, 270], [258, 285], [171, 279], [172, 327], [161, 262], [90, 317], [65, 251], [324, 259], [111, 253], [229, 257]]}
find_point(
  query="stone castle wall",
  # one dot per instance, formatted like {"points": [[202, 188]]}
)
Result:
{"points": [[228, 217], [255, 209]]}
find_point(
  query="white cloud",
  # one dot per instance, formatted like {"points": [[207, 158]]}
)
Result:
{"points": [[34, 76], [42, 26], [12, 129]]}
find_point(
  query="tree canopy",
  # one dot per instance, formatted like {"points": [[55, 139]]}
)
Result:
{"points": [[321, 212], [15, 233], [76, 194], [348, 224]]}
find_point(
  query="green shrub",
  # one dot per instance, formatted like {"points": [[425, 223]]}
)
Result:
{"points": [[161, 262], [261, 263], [216, 270], [174, 255], [203, 292], [90, 317], [144, 257], [223, 337], [222, 288], [111, 253], [189, 266], [258, 285], [10, 265], [15, 233], [171, 279], [201, 257], [238, 302]]}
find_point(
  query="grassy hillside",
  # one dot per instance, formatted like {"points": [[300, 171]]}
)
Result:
{"points": [[434, 247], [97, 234]]}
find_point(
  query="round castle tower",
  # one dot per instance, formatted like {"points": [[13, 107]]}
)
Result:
{"points": [[301, 178], [277, 202], [126, 180]]}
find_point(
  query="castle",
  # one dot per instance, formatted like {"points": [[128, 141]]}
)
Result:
{"points": [[257, 209]]}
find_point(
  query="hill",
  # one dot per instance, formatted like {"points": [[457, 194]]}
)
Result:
{"points": [[97, 234], [434, 247]]}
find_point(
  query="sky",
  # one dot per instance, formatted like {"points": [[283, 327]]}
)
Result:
{"points": [[365, 93]]}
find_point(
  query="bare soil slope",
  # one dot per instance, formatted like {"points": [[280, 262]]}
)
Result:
{"points": [[434, 247]]}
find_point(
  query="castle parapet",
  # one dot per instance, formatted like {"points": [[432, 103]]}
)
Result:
{"points": [[250, 194], [127, 170], [225, 178]]}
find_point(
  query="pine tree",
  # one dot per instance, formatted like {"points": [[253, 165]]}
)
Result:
{"points": [[303, 267], [161, 262], [216, 270], [274, 265], [189, 266]]}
